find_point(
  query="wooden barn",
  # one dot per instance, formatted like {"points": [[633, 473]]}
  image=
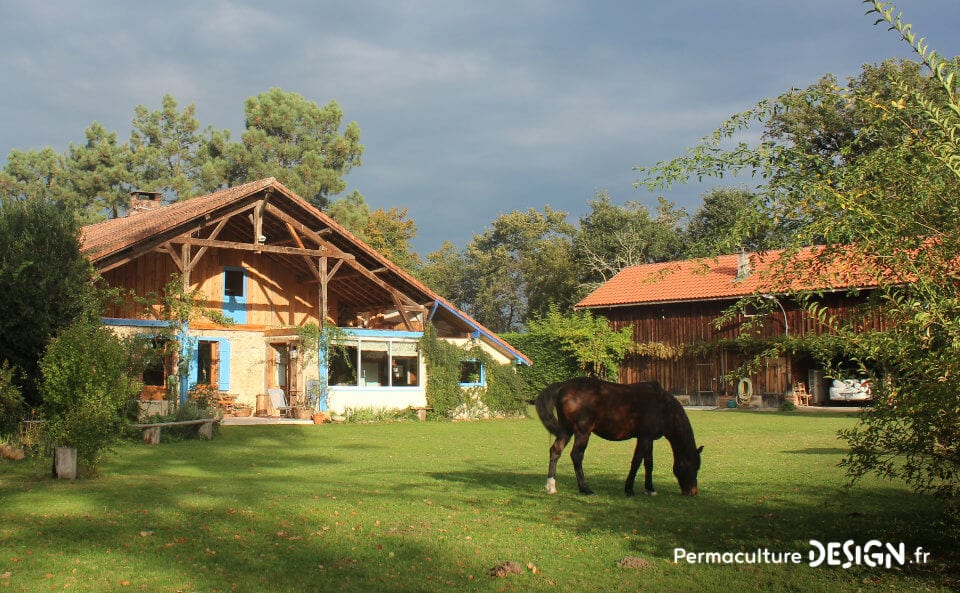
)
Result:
{"points": [[273, 263], [673, 308]]}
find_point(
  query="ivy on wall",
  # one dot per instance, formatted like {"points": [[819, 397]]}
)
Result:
{"points": [[505, 391]]}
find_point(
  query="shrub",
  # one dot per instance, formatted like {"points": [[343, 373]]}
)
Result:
{"points": [[86, 385], [11, 402], [443, 372]]}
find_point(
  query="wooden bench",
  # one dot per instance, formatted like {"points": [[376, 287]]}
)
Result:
{"points": [[151, 431]]}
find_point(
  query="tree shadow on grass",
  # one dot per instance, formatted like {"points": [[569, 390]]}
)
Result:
{"points": [[731, 516]]}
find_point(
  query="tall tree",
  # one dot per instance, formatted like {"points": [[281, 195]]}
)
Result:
{"points": [[390, 232], [99, 173], [168, 150], [446, 271], [518, 267], [351, 211], [34, 175], [45, 282], [298, 142], [613, 237], [729, 220], [883, 194]]}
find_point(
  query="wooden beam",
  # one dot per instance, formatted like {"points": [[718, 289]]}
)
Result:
{"points": [[173, 255], [306, 258], [213, 235], [315, 236], [185, 254], [259, 248]]}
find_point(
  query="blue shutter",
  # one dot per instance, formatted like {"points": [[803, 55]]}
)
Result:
{"points": [[224, 384]]}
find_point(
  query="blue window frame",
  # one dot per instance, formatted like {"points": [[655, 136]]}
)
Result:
{"points": [[235, 294], [472, 373]]}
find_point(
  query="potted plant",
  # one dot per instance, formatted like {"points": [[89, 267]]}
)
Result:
{"points": [[302, 412]]}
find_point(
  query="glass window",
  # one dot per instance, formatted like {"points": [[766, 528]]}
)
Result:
{"points": [[471, 372], [233, 283], [208, 363], [373, 364], [404, 364], [343, 365], [154, 370], [376, 363]]}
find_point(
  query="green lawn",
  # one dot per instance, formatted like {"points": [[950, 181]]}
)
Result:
{"points": [[433, 506]]}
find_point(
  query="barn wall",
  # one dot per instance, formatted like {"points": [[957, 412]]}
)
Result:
{"points": [[674, 325]]}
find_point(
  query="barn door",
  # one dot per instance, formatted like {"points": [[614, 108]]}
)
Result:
{"points": [[705, 383]]}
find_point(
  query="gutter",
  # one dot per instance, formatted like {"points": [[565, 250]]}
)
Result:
{"points": [[479, 332]]}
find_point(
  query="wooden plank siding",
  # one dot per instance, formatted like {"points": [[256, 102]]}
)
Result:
{"points": [[275, 296], [680, 325]]}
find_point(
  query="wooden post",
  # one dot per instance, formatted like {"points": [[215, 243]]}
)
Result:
{"points": [[206, 431], [65, 463], [151, 436], [324, 279]]}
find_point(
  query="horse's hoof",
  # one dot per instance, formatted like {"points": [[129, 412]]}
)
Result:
{"points": [[629, 492], [586, 491], [551, 486], [650, 492]]}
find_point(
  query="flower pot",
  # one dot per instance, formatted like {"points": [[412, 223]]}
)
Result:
{"points": [[301, 414], [320, 417]]}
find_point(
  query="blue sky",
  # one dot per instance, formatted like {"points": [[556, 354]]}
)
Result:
{"points": [[467, 110]]}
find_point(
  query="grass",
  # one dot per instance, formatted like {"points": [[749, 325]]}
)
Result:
{"points": [[433, 506]]}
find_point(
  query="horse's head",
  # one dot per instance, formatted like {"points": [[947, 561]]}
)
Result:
{"points": [[685, 468]]}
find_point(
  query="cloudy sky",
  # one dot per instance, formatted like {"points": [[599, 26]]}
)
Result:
{"points": [[467, 109]]}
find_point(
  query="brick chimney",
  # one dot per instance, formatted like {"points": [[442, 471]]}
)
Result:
{"points": [[743, 265], [142, 201]]}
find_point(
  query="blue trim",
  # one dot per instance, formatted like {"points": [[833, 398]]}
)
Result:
{"points": [[223, 381], [235, 306], [478, 332], [122, 322], [483, 374]]}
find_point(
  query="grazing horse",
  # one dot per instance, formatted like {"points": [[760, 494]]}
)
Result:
{"points": [[615, 412]]}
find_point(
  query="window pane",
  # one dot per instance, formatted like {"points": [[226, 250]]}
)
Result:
{"points": [[233, 283], [203, 363], [406, 371], [154, 371], [373, 364], [470, 371], [343, 365]]}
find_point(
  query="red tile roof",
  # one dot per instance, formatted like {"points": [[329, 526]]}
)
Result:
{"points": [[103, 238], [717, 278]]}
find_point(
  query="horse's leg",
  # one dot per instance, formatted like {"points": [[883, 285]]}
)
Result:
{"points": [[555, 450], [648, 466], [638, 455], [580, 441]]}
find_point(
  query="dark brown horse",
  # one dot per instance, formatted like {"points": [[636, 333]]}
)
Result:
{"points": [[615, 412]]}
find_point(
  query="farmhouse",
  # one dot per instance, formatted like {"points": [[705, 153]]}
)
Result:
{"points": [[272, 264], [673, 310]]}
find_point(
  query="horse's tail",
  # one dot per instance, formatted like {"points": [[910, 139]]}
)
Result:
{"points": [[546, 404]]}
